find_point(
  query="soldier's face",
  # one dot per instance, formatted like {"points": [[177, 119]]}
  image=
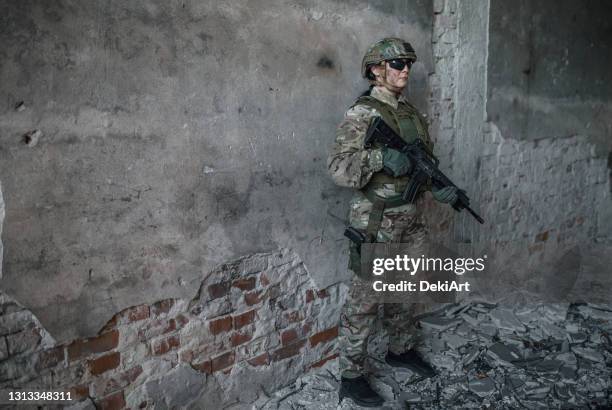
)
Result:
{"points": [[393, 79], [397, 79]]}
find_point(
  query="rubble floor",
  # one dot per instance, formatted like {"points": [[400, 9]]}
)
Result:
{"points": [[487, 356]]}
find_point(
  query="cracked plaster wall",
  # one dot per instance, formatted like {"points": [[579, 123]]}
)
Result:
{"points": [[526, 226], [166, 150], [545, 196], [175, 136]]}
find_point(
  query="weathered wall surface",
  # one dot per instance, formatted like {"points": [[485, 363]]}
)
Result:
{"points": [[255, 325], [551, 79], [546, 201], [175, 136]]}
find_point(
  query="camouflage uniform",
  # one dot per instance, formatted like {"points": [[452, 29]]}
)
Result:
{"points": [[350, 165]]}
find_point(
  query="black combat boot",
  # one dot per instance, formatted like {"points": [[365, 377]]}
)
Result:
{"points": [[410, 360], [358, 389]]}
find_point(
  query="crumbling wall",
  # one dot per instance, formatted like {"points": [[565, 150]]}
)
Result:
{"points": [[546, 201], [551, 80], [134, 189], [255, 325], [142, 144]]}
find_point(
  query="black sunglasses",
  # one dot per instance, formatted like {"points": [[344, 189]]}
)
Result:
{"points": [[400, 63]]}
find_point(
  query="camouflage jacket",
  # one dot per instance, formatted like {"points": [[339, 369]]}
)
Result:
{"points": [[349, 164]]}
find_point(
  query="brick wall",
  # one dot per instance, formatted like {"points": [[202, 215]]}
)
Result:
{"points": [[442, 101], [538, 198], [255, 325]]}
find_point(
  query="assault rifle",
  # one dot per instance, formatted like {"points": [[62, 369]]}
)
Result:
{"points": [[425, 164]]}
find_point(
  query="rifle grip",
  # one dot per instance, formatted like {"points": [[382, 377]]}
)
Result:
{"points": [[412, 190]]}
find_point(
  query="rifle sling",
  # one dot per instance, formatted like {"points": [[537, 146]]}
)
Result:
{"points": [[375, 219]]}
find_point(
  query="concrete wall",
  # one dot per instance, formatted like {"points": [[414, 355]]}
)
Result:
{"points": [[175, 136], [543, 190], [548, 71], [117, 214]]}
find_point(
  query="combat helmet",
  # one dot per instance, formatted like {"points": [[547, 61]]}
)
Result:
{"points": [[386, 49]]}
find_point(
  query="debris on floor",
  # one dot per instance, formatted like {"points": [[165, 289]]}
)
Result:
{"points": [[538, 356]]}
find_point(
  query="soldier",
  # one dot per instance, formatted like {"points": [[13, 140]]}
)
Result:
{"points": [[379, 176]]}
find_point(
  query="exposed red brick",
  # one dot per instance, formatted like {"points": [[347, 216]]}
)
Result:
{"points": [[306, 328], [323, 361], [263, 279], [220, 325], [542, 236], [222, 361], [111, 324], [218, 290], [245, 283], [170, 327], [288, 336], [115, 401], [310, 295], [118, 382], [155, 328], [244, 319], [127, 377], [252, 298], [288, 351], [163, 306], [181, 320], [239, 338], [98, 344], [293, 317], [204, 367], [163, 346], [261, 360], [324, 336], [104, 363], [323, 293], [186, 355], [204, 351], [50, 358], [136, 313], [131, 374], [79, 392]]}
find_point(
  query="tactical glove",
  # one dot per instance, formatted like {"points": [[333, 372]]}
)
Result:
{"points": [[395, 163], [446, 195]]}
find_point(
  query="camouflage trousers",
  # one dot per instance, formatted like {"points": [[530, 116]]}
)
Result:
{"points": [[361, 317]]}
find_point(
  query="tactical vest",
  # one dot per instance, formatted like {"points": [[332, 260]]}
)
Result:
{"points": [[407, 123]]}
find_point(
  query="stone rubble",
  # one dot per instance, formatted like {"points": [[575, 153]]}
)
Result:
{"points": [[540, 356]]}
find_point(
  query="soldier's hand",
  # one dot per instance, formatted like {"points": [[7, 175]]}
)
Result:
{"points": [[395, 163], [446, 195]]}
